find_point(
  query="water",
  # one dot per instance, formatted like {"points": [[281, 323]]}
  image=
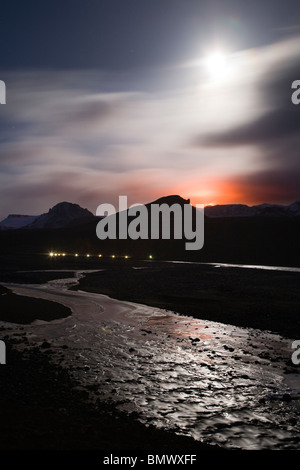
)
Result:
{"points": [[245, 266], [218, 383]]}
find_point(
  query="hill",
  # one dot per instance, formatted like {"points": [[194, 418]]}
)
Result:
{"points": [[268, 240]]}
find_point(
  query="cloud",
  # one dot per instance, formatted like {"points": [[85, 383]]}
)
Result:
{"points": [[279, 186], [275, 68], [87, 137], [264, 131], [274, 132]]}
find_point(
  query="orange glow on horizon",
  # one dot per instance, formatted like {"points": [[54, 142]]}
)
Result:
{"points": [[213, 192], [210, 190], [234, 190]]}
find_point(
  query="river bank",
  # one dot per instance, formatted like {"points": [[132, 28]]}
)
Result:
{"points": [[42, 408], [165, 367], [255, 298]]}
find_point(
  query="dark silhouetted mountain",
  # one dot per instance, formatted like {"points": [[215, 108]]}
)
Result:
{"points": [[261, 210], [15, 221], [62, 215], [270, 235], [294, 209], [66, 214], [170, 200]]}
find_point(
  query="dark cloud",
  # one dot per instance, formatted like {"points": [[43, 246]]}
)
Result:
{"points": [[265, 131], [89, 111], [279, 186]]}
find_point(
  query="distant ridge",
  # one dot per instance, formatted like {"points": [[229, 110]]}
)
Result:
{"points": [[261, 235], [61, 215], [261, 210], [67, 214], [15, 221]]}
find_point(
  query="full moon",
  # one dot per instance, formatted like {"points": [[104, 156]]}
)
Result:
{"points": [[216, 65]]}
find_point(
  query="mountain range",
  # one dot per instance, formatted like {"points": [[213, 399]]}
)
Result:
{"points": [[63, 214], [261, 210], [66, 214], [263, 234]]}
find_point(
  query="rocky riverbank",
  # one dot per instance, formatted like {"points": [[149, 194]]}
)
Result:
{"points": [[41, 408]]}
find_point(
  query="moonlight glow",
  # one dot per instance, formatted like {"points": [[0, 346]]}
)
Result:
{"points": [[216, 65]]}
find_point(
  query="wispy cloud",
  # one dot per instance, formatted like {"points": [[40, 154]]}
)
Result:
{"points": [[87, 137]]}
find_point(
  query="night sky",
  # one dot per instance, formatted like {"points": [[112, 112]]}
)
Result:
{"points": [[147, 98]]}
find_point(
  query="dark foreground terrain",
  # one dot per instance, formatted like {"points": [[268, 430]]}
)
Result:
{"points": [[20, 309], [42, 409]]}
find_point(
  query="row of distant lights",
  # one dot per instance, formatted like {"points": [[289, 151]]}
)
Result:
{"points": [[53, 254]]}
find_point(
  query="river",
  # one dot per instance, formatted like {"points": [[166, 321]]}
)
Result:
{"points": [[218, 383]]}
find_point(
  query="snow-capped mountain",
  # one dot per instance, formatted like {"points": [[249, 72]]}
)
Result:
{"points": [[261, 210], [61, 215], [15, 221]]}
